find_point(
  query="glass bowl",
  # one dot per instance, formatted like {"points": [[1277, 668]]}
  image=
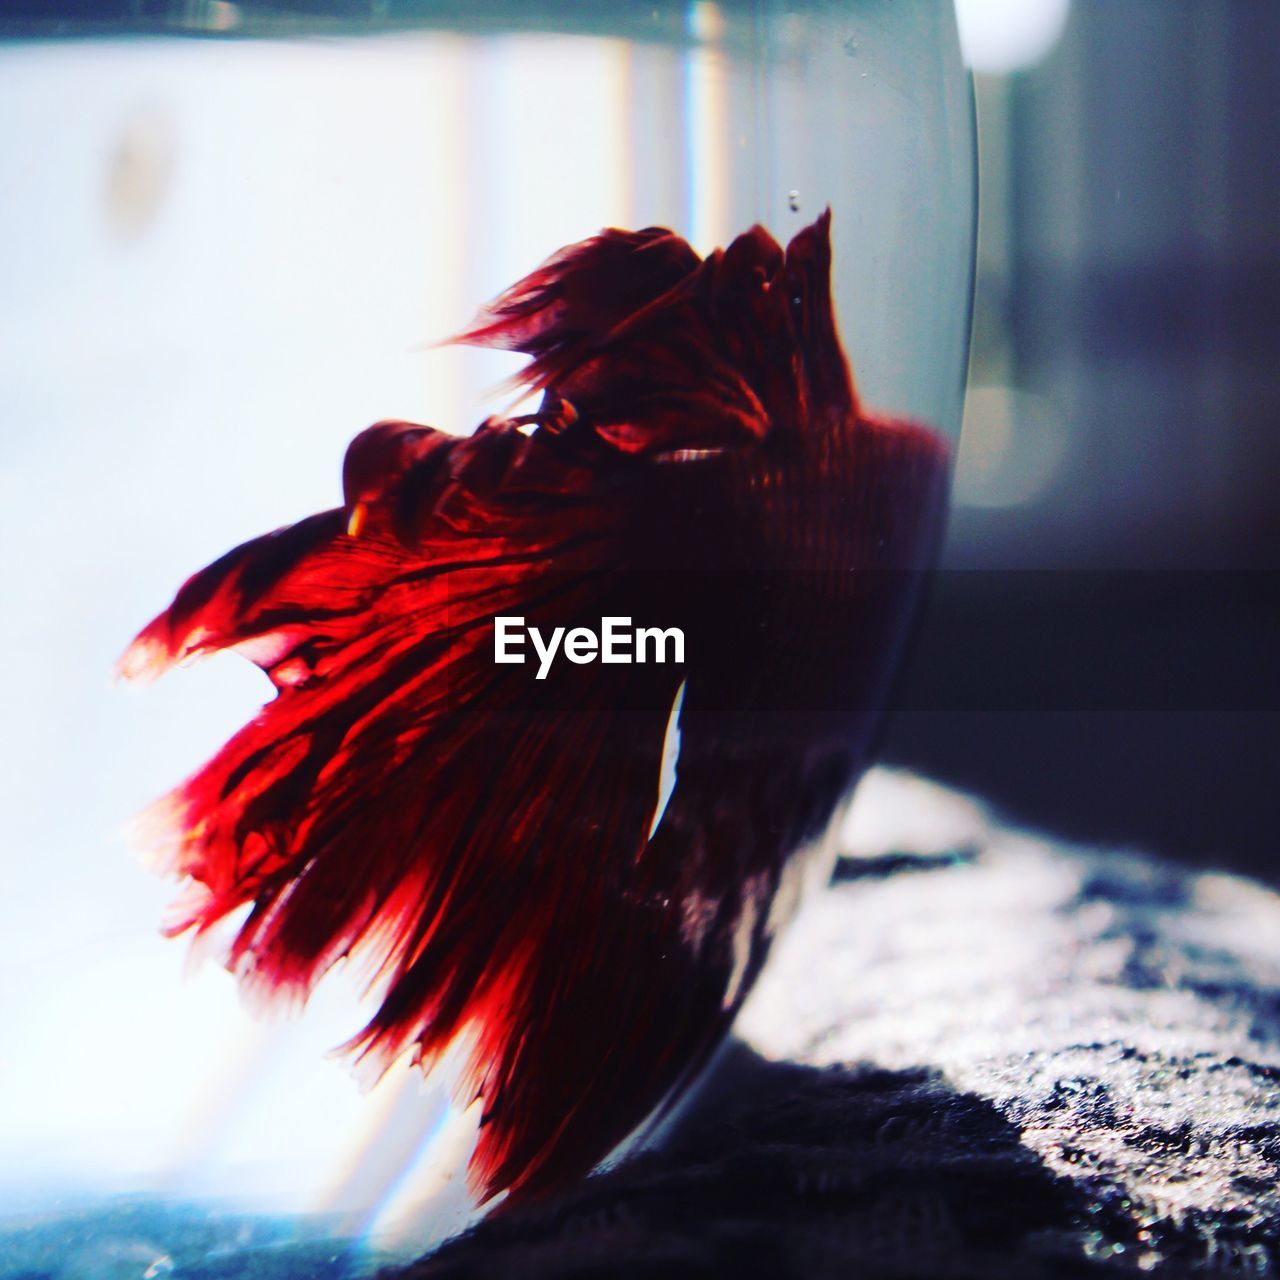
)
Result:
{"points": [[238, 236]]}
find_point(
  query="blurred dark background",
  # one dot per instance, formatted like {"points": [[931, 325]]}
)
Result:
{"points": [[1101, 653]]}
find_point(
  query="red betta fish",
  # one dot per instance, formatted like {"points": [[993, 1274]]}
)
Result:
{"points": [[492, 844]]}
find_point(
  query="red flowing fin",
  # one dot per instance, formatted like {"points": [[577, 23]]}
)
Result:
{"points": [[580, 293], [406, 801], [659, 350], [283, 598], [535, 947], [212, 609], [826, 375]]}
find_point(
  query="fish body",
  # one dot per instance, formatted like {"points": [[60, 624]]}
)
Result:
{"points": [[496, 849]]}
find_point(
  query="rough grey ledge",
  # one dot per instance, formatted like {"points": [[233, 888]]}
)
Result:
{"points": [[978, 1054]]}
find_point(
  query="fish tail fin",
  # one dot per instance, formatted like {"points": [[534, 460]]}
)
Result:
{"points": [[459, 831], [569, 304]]}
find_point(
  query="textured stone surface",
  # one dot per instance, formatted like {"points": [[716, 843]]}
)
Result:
{"points": [[977, 1054]]}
